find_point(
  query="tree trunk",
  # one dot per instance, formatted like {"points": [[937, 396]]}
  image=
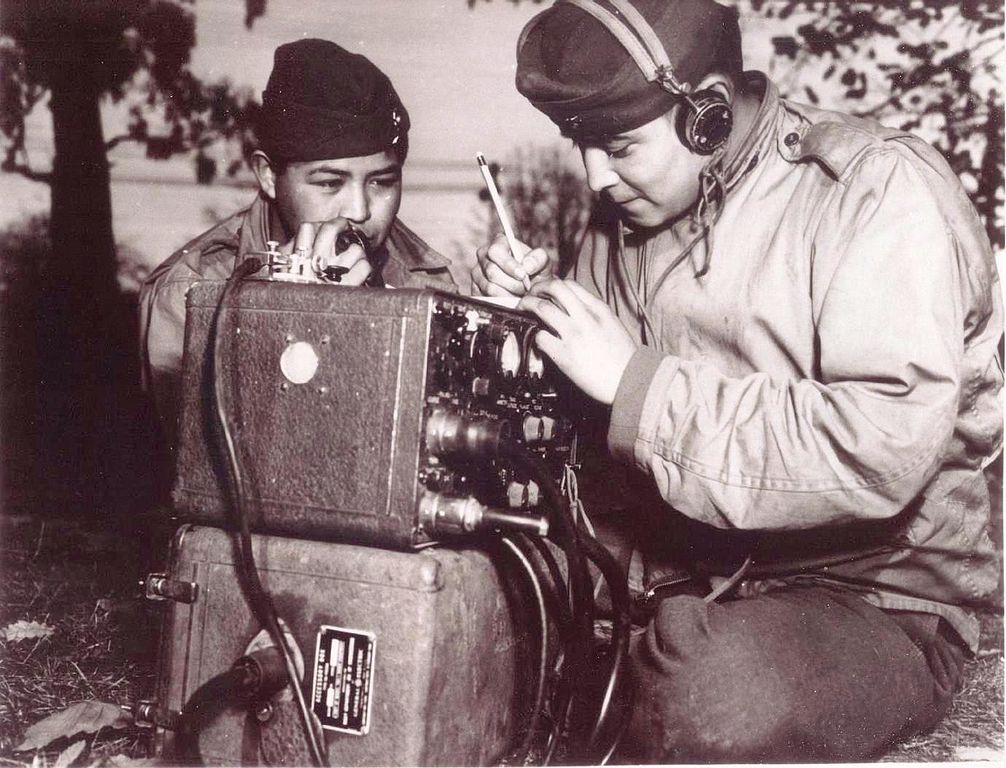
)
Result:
{"points": [[81, 213], [90, 426]]}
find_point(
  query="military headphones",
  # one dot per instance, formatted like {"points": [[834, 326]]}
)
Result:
{"points": [[704, 126]]}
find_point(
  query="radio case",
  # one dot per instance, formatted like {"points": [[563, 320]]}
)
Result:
{"points": [[328, 391], [440, 626]]}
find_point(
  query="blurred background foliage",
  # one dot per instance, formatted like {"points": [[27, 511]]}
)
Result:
{"points": [[926, 66]]}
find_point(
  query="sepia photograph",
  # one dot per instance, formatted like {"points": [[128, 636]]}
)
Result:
{"points": [[501, 382]]}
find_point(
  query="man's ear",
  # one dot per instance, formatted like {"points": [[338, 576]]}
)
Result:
{"points": [[265, 173], [722, 84]]}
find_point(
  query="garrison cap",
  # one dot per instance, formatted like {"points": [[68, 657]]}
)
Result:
{"points": [[323, 102], [572, 68]]}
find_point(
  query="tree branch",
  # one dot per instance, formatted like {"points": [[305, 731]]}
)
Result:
{"points": [[115, 141], [26, 172]]}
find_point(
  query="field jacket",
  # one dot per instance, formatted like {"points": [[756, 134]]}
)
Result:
{"points": [[408, 263], [822, 391]]}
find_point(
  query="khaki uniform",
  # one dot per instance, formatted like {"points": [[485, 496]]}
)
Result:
{"points": [[826, 394]]}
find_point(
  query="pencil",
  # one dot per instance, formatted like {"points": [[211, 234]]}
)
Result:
{"points": [[494, 194]]}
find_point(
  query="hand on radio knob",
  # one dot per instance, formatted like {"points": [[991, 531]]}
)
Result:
{"points": [[585, 339], [317, 239]]}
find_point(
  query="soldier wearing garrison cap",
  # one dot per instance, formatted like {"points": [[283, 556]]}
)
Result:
{"points": [[333, 136], [791, 319]]}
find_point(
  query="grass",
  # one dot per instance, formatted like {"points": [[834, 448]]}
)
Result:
{"points": [[83, 583]]}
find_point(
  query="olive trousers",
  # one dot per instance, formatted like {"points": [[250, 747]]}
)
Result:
{"points": [[799, 673]]}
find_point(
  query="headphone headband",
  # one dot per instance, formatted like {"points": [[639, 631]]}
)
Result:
{"points": [[706, 123], [636, 35]]}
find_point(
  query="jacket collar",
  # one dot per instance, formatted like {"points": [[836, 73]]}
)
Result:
{"points": [[747, 153]]}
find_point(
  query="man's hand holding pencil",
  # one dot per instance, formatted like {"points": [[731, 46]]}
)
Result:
{"points": [[498, 273], [506, 267]]}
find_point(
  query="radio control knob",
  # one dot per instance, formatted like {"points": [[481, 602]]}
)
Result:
{"points": [[533, 492], [533, 429], [535, 364], [481, 386], [516, 494], [523, 494], [547, 428], [509, 354]]}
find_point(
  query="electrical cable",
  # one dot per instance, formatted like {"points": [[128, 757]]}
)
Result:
{"points": [[731, 582], [539, 699], [260, 600], [621, 625], [612, 573], [644, 313], [567, 536], [565, 625], [209, 698], [256, 676]]}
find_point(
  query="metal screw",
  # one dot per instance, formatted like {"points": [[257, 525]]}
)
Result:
{"points": [[263, 713]]}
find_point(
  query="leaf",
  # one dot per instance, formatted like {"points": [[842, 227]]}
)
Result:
{"points": [[25, 630], [785, 45], [82, 717], [71, 753], [125, 761]]}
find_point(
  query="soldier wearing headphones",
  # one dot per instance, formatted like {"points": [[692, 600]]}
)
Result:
{"points": [[792, 317]]}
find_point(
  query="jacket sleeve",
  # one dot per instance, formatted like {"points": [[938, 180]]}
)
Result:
{"points": [[862, 437], [162, 321]]}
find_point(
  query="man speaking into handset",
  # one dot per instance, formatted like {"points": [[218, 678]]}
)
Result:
{"points": [[333, 136]]}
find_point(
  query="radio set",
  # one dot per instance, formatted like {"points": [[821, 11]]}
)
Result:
{"points": [[364, 416], [348, 428]]}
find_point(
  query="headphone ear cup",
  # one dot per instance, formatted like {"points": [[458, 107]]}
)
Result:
{"points": [[708, 121]]}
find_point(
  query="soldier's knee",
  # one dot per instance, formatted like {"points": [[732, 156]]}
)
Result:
{"points": [[699, 696]]}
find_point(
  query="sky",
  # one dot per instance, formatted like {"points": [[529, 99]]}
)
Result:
{"points": [[453, 67]]}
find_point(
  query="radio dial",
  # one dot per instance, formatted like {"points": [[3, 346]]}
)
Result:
{"points": [[509, 356], [535, 363]]}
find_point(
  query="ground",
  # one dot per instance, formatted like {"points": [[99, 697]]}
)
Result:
{"points": [[84, 584]]}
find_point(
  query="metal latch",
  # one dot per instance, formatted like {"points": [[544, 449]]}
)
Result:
{"points": [[157, 586], [149, 714]]}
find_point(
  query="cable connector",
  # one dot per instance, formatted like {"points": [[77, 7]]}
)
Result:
{"points": [[264, 673], [450, 434], [440, 514]]}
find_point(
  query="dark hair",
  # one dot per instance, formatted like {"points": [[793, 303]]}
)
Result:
{"points": [[729, 57]]}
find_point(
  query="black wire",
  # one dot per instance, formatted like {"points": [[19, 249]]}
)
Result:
{"points": [[565, 533], [620, 629], [261, 602], [208, 699], [613, 574], [520, 548], [559, 595]]}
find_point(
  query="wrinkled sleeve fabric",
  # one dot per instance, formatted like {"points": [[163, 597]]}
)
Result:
{"points": [[162, 328], [862, 437]]}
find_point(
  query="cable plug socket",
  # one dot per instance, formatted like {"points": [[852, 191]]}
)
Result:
{"points": [[440, 514], [452, 434]]}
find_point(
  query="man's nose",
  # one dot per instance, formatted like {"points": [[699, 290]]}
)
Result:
{"points": [[357, 205], [600, 176]]}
